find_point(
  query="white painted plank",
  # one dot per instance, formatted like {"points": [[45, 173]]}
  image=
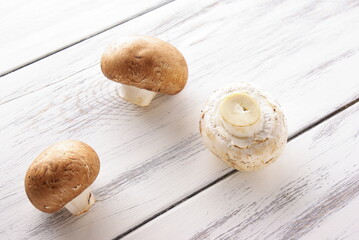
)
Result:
{"points": [[153, 157], [30, 30], [311, 193]]}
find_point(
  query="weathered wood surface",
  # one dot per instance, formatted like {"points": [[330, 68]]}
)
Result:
{"points": [[33, 29], [304, 53], [311, 193]]}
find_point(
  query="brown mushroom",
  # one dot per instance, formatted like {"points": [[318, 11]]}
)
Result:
{"points": [[60, 177], [144, 66]]}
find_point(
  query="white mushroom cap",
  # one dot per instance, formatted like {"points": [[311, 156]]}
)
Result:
{"points": [[252, 145], [61, 173]]}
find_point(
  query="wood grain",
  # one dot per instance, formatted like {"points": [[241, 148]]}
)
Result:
{"points": [[311, 193], [154, 157], [30, 30]]}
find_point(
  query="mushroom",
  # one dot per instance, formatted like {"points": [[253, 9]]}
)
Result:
{"points": [[143, 66], [60, 177], [243, 126]]}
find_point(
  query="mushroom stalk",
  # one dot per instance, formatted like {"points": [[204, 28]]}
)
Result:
{"points": [[81, 203], [241, 115], [138, 96]]}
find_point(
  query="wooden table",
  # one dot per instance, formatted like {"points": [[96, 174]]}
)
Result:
{"points": [[157, 180]]}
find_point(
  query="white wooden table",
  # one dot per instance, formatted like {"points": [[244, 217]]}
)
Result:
{"points": [[157, 180]]}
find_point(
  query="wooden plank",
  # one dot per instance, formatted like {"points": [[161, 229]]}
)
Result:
{"points": [[30, 30], [311, 193], [260, 61], [153, 157]]}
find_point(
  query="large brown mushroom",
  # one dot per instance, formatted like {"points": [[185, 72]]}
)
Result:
{"points": [[144, 66], [60, 177]]}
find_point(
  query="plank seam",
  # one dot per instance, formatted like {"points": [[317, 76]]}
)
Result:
{"points": [[85, 38]]}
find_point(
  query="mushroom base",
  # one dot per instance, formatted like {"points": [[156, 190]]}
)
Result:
{"points": [[138, 96], [81, 203]]}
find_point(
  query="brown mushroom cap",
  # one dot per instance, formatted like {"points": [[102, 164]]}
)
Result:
{"points": [[61, 173], [145, 62]]}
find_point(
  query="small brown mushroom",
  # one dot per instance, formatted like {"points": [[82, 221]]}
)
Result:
{"points": [[60, 177], [144, 66]]}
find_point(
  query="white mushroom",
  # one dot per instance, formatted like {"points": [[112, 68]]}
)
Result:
{"points": [[243, 126], [143, 66], [61, 177]]}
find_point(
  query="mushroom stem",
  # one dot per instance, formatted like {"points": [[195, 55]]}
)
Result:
{"points": [[81, 203], [240, 115], [138, 96]]}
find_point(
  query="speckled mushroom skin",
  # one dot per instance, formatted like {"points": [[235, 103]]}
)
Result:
{"points": [[60, 173], [145, 62], [244, 154]]}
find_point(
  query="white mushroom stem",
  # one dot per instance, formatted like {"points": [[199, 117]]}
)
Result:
{"points": [[81, 203], [241, 115], [141, 97]]}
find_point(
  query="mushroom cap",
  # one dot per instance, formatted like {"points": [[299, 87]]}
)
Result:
{"points": [[244, 153], [61, 173], [145, 62]]}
